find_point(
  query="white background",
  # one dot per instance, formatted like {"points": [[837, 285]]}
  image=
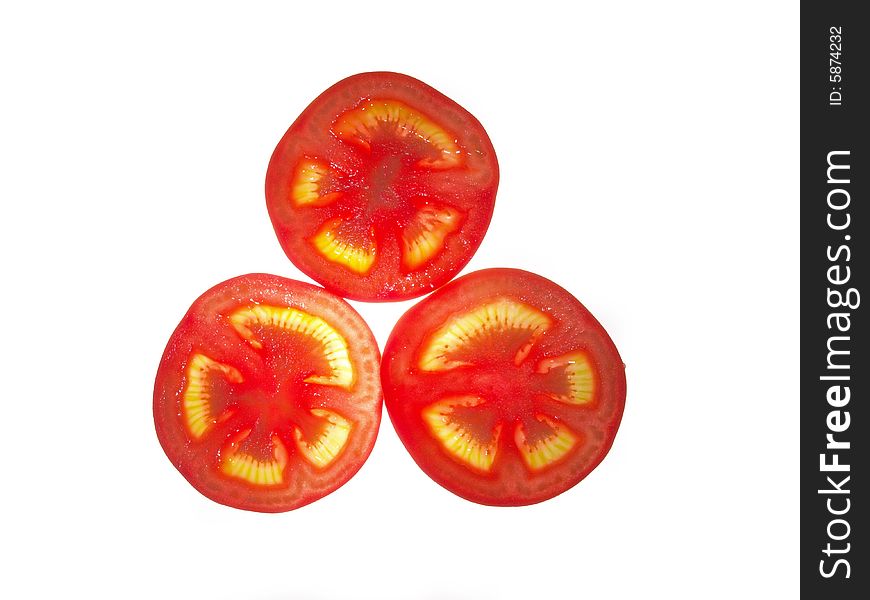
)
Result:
{"points": [[649, 160]]}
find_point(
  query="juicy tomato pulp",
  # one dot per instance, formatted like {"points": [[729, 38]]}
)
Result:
{"points": [[268, 396], [383, 188], [503, 387]]}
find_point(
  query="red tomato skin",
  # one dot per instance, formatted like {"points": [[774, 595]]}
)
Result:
{"points": [[203, 328], [473, 192], [402, 381]]}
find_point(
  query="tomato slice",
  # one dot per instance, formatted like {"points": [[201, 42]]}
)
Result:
{"points": [[383, 188], [503, 387], [268, 395]]}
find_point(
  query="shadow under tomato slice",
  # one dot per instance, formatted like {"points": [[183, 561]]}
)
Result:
{"points": [[503, 387], [383, 188], [268, 396]]}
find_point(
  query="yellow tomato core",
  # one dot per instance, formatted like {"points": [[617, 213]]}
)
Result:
{"points": [[325, 447], [424, 237], [253, 470], [457, 439], [362, 124], [196, 400], [581, 377], [338, 248], [333, 346], [461, 330], [545, 451], [308, 179]]}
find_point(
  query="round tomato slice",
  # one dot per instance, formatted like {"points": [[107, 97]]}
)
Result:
{"points": [[268, 396], [383, 188], [503, 387]]}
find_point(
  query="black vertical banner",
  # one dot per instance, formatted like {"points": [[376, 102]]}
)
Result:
{"points": [[835, 301]]}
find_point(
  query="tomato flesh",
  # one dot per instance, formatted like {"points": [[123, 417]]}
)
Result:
{"points": [[383, 188], [268, 396], [503, 387]]}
